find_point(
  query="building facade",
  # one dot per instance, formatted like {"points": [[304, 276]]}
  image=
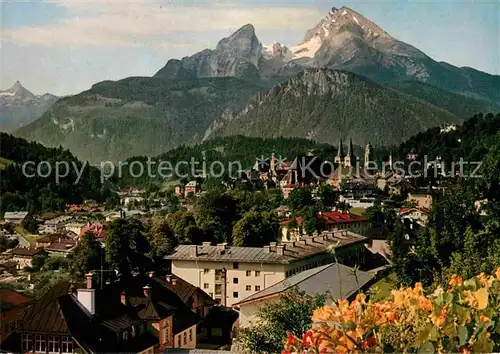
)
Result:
{"points": [[230, 274]]}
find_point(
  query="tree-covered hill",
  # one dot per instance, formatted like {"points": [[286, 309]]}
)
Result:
{"points": [[459, 104], [19, 192]]}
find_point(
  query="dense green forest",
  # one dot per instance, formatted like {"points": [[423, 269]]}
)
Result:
{"points": [[37, 193], [470, 140], [459, 238]]}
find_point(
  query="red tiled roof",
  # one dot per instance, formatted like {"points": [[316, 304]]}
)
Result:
{"points": [[403, 211], [96, 229], [12, 297], [334, 217]]}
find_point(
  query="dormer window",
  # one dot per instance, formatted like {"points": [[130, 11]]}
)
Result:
{"points": [[125, 336]]}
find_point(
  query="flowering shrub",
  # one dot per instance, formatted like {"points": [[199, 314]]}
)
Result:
{"points": [[463, 318]]}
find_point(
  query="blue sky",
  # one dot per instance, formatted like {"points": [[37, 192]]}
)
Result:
{"points": [[65, 46]]}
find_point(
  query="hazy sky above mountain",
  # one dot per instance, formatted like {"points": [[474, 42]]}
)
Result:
{"points": [[64, 47]]}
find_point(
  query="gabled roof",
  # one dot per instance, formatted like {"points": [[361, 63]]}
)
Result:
{"points": [[11, 298], [329, 279], [30, 252], [45, 314], [15, 214]]}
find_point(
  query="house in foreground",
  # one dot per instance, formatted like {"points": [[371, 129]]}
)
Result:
{"points": [[335, 280], [140, 315]]}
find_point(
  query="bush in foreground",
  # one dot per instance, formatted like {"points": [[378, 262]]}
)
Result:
{"points": [[463, 318]]}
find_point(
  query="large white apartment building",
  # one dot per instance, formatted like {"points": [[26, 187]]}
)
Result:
{"points": [[230, 274]]}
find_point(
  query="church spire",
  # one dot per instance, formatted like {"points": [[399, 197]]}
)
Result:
{"points": [[340, 152], [350, 149]]}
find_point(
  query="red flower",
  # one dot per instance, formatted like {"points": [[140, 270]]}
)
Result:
{"points": [[290, 339]]}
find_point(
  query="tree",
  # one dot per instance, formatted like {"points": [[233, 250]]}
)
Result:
{"points": [[256, 229], [38, 261], [216, 214], [300, 198], [291, 312], [87, 256], [327, 197], [127, 247], [161, 239], [185, 228]]}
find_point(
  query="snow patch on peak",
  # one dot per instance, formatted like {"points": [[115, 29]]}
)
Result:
{"points": [[307, 49]]}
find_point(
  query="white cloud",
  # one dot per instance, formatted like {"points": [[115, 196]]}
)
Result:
{"points": [[165, 24]]}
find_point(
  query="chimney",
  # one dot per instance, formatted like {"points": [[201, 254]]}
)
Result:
{"points": [[147, 290], [267, 249], [208, 243], [89, 280], [194, 251], [86, 297], [280, 249], [221, 246], [123, 298], [168, 278], [151, 274], [174, 281]]}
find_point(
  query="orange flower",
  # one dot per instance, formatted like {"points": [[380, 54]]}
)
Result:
{"points": [[391, 316], [483, 318], [425, 304], [456, 280], [441, 319]]}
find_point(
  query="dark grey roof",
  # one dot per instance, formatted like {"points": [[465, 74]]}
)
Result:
{"points": [[293, 251], [320, 280]]}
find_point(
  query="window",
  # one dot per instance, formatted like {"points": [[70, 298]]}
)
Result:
{"points": [[249, 287], [40, 343], [190, 335], [178, 341], [235, 294], [206, 271], [205, 286], [249, 273], [218, 289], [134, 331], [257, 287], [124, 336], [27, 341], [235, 280], [236, 265], [211, 295], [67, 344], [54, 344], [184, 336], [257, 273]]}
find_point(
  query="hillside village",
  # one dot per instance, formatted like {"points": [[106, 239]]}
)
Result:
{"points": [[199, 295]]}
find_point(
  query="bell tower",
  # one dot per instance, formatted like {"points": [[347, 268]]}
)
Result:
{"points": [[339, 159]]}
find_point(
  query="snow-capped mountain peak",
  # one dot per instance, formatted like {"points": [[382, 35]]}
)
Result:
{"points": [[18, 91]]}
